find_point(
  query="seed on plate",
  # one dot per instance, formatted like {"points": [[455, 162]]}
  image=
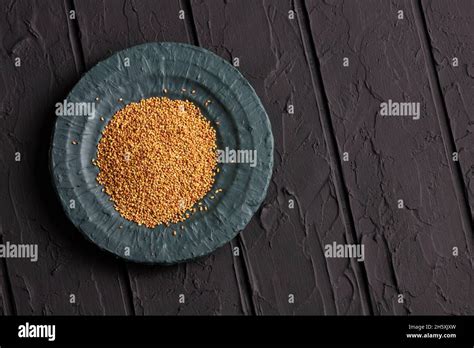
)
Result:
{"points": [[171, 161]]}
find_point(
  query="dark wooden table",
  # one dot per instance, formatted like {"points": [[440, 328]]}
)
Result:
{"points": [[322, 113]]}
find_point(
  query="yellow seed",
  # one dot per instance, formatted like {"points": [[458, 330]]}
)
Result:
{"points": [[172, 160]]}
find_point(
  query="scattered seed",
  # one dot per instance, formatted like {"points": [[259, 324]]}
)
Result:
{"points": [[74, 142], [193, 92], [174, 233], [102, 119], [120, 100], [97, 98], [183, 89], [165, 90]]}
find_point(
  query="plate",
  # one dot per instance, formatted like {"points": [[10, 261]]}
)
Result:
{"points": [[178, 71]]}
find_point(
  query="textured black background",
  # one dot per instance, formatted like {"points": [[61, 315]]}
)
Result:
{"points": [[288, 61]]}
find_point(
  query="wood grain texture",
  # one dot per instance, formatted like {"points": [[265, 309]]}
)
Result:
{"points": [[450, 31], [6, 301], [31, 214], [209, 285], [284, 246], [408, 251]]}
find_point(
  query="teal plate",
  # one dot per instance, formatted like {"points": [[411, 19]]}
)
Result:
{"points": [[175, 70]]}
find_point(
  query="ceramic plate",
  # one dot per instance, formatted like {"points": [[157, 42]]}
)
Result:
{"points": [[142, 72]]}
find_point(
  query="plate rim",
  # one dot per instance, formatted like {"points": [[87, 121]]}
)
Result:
{"points": [[255, 98]]}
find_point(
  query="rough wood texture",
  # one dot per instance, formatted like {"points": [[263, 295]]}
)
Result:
{"points": [[210, 285], [284, 246], [67, 264], [408, 251], [450, 26]]}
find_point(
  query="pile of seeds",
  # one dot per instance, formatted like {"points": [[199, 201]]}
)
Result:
{"points": [[157, 159]]}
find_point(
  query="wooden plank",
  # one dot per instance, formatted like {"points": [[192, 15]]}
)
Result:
{"points": [[209, 285], [284, 246], [450, 29], [37, 33], [409, 251], [6, 300]]}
